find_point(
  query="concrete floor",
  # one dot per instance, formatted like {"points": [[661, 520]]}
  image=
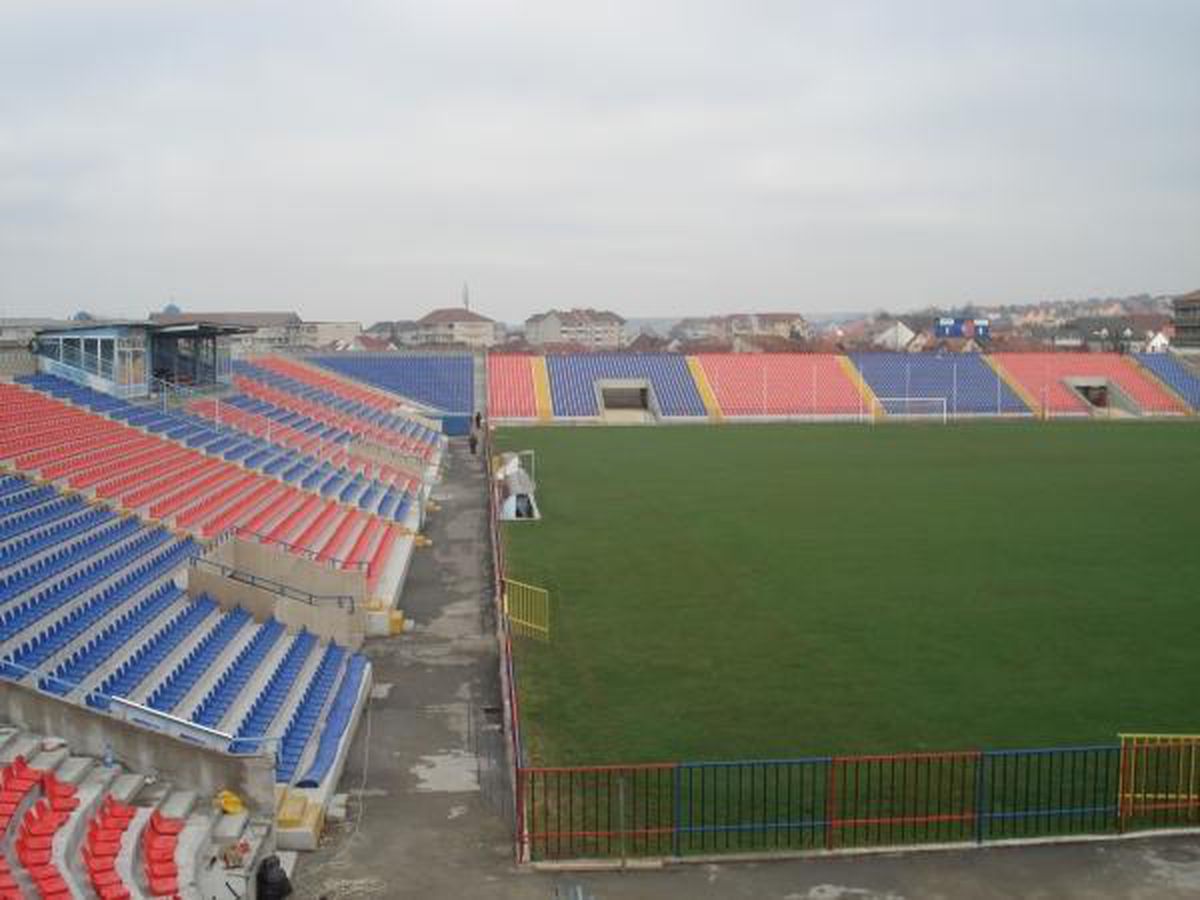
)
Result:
{"points": [[420, 826]]}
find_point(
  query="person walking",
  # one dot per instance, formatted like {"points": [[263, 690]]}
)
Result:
{"points": [[473, 442]]}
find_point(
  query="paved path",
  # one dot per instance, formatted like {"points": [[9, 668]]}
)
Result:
{"points": [[420, 826]]}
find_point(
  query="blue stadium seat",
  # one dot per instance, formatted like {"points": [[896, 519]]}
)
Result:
{"points": [[573, 380], [445, 382], [1173, 374], [965, 381]]}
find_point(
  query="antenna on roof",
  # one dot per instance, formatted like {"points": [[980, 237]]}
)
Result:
{"points": [[466, 296]]}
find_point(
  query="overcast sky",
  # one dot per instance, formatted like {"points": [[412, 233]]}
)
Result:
{"points": [[363, 159]]}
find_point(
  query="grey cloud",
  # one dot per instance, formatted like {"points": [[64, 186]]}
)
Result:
{"points": [[364, 159]]}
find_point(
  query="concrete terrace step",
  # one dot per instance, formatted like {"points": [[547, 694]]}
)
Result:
{"points": [[68, 841], [126, 864]]}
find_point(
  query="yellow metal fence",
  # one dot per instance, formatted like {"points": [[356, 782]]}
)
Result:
{"points": [[1160, 776], [527, 608]]}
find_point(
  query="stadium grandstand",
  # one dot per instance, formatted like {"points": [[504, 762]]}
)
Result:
{"points": [[441, 385], [813, 385], [629, 387], [188, 571], [1083, 384]]}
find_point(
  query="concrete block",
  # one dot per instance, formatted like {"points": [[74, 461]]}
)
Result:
{"points": [[230, 828]]}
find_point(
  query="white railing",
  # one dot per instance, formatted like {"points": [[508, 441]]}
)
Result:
{"points": [[99, 377], [126, 710]]}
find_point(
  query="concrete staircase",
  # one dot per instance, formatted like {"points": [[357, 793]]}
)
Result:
{"points": [[216, 854]]}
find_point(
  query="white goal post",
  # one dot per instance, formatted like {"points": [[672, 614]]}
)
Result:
{"points": [[902, 408]]}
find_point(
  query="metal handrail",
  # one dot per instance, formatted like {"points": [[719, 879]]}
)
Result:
{"points": [[296, 550], [275, 587]]}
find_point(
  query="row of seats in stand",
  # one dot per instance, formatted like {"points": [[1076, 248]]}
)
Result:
{"points": [[1048, 381], [108, 622], [267, 704], [228, 686], [24, 497], [131, 672], [307, 374], [206, 494], [803, 384], [99, 572], [192, 430], [32, 518], [403, 436], [34, 844], [74, 826], [61, 532], [573, 379], [445, 382], [259, 417], [511, 390], [111, 638], [1176, 375], [290, 385], [101, 532], [307, 714], [781, 384], [11, 484], [963, 382], [37, 643], [188, 670]]}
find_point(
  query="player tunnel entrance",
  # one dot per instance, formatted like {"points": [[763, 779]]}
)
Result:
{"points": [[626, 400], [1103, 396]]}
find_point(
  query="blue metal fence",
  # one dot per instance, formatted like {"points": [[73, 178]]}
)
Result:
{"points": [[840, 802]]}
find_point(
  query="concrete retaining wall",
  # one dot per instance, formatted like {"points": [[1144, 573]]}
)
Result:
{"points": [[16, 361], [412, 466], [182, 762], [346, 624]]}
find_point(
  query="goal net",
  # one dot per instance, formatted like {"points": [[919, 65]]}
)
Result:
{"points": [[924, 408]]}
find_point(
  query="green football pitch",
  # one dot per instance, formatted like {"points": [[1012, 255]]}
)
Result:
{"points": [[781, 591]]}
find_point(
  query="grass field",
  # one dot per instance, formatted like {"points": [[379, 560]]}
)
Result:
{"points": [[767, 591]]}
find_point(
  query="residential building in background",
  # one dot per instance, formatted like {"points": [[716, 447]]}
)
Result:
{"points": [[1187, 322], [457, 325], [14, 331], [272, 330], [321, 334], [785, 326], [896, 336], [595, 329]]}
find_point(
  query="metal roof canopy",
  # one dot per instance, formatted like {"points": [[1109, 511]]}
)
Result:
{"points": [[182, 330]]}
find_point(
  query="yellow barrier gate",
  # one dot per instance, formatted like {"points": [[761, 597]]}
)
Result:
{"points": [[527, 609], [1160, 778]]}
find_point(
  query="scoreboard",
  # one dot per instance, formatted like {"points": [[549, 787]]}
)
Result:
{"points": [[963, 328]]}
